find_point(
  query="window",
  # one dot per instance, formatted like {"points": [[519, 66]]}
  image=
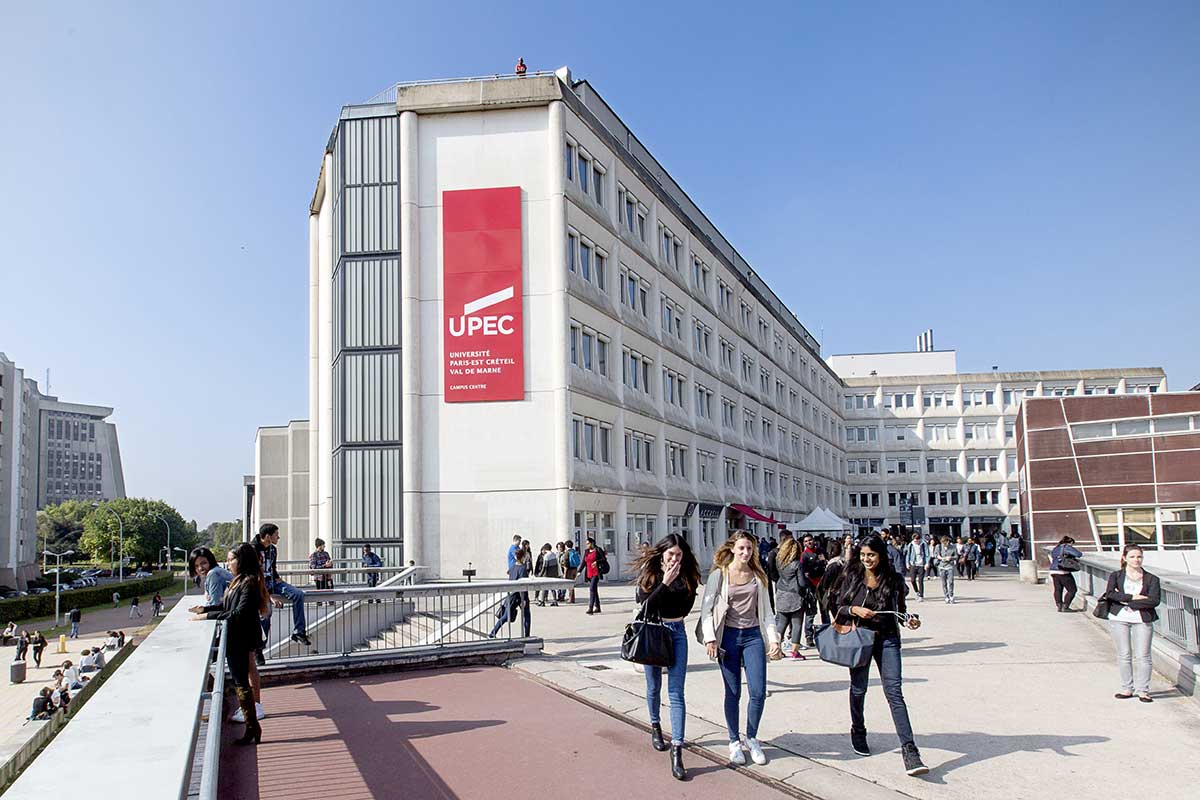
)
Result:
{"points": [[764, 330], [728, 413], [632, 213], [859, 401], [978, 397], [862, 434], [769, 482], [764, 380], [903, 466], [768, 432], [731, 472], [592, 440], [589, 349], [598, 183], [700, 275], [570, 165], [941, 465], [751, 477], [634, 290], [704, 402], [749, 422], [900, 400], [672, 318], [670, 247], [939, 399], [727, 350], [980, 431], [747, 368], [673, 388], [585, 170], [703, 339], [941, 432], [638, 449], [747, 314], [706, 466], [725, 296], [676, 460], [635, 372], [639, 530]]}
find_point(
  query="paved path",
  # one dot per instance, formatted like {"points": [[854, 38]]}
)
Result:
{"points": [[1007, 697], [472, 732]]}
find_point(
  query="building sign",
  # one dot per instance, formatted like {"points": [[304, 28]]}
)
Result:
{"points": [[483, 338]]}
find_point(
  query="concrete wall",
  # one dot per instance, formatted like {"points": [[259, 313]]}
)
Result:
{"points": [[281, 479], [864, 365]]}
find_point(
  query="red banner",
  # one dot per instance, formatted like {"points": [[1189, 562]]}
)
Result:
{"points": [[484, 345]]}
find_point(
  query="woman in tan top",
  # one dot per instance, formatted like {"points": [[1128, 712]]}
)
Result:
{"points": [[736, 622]]}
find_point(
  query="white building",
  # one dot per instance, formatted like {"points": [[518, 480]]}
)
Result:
{"points": [[657, 379], [918, 428], [280, 486], [19, 399]]}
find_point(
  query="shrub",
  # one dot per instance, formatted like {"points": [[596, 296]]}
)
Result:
{"points": [[19, 609]]}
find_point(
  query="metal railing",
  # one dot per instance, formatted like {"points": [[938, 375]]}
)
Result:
{"points": [[210, 759], [1178, 613], [347, 576], [394, 618]]}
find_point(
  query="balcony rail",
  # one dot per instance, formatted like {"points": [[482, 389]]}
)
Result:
{"points": [[1178, 614], [350, 576]]}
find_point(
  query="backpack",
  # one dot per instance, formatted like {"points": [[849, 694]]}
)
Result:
{"points": [[573, 559], [602, 562]]}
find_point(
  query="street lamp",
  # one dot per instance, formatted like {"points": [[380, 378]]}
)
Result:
{"points": [[58, 557], [168, 527], [121, 528], [185, 553]]}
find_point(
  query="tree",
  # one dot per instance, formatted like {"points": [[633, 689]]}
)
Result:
{"points": [[221, 536], [145, 534], [59, 526]]}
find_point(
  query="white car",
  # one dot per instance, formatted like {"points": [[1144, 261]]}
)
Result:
{"points": [[140, 574]]}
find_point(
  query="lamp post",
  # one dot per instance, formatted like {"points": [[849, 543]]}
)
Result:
{"points": [[121, 528], [58, 557], [185, 552], [168, 527]]}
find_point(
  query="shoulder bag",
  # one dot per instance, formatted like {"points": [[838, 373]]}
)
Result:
{"points": [[1068, 562], [845, 645], [647, 640]]}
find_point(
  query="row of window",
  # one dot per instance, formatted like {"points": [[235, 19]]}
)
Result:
{"points": [[1181, 423], [933, 432], [979, 398], [942, 465]]}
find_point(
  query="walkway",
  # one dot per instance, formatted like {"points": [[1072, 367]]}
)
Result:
{"points": [[468, 733], [1008, 698]]}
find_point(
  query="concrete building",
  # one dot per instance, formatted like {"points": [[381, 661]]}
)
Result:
{"points": [[278, 491], [1111, 471], [79, 456], [19, 399], [945, 442], [520, 323]]}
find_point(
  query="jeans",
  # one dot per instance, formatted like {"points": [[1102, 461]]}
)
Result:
{"points": [[524, 603], [676, 673], [809, 619], [917, 576], [1014, 557], [947, 574], [1133, 653], [372, 579], [594, 593], [134, 610], [796, 620], [1064, 589], [744, 647], [74, 630], [291, 593], [887, 658], [1003, 558]]}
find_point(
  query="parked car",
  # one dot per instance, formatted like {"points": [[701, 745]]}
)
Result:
{"points": [[141, 573], [12, 594], [91, 573], [39, 590]]}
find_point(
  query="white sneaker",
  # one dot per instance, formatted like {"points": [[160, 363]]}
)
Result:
{"points": [[736, 756], [952, 600], [756, 751], [259, 711]]}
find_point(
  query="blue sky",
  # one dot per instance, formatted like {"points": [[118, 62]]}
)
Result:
{"points": [[1022, 177]]}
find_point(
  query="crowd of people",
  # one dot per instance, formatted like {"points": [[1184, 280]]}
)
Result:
{"points": [[70, 677]]}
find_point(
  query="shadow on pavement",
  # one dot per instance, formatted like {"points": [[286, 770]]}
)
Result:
{"points": [[951, 648]]}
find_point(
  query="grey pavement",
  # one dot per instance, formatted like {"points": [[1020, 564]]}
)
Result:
{"points": [[1008, 699]]}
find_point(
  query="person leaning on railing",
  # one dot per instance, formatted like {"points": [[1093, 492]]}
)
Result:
{"points": [[245, 601], [1128, 604]]}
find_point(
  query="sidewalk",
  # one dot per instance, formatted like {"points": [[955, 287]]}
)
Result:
{"points": [[1008, 700]]}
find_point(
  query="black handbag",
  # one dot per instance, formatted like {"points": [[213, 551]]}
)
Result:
{"points": [[648, 641], [1068, 563]]}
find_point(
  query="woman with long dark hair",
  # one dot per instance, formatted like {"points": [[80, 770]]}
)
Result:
{"points": [[871, 595], [206, 571], [1129, 601], [245, 601], [736, 621], [668, 577], [1064, 582]]}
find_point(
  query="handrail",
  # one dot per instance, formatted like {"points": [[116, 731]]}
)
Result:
{"points": [[210, 763]]}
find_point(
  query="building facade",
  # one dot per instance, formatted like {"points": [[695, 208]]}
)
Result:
{"points": [[1110, 471], [19, 400], [655, 380], [920, 434], [79, 457], [280, 487]]}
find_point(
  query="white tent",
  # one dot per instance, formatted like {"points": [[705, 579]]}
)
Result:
{"points": [[822, 520]]}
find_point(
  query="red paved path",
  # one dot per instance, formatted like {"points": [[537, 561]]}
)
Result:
{"points": [[472, 732]]}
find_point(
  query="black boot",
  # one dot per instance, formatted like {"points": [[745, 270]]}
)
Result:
{"points": [[253, 733], [858, 740], [677, 770], [656, 738]]}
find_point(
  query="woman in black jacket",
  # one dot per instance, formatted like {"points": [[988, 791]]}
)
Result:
{"points": [[1128, 604], [871, 595], [245, 600]]}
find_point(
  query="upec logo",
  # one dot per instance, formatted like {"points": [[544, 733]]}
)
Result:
{"points": [[489, 325]]}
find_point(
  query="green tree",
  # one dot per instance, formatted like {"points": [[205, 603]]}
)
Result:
{"points": [[144, 531], [59, 526], [221, 536]]}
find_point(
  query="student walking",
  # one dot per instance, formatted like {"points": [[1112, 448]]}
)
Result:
{"points": [[735, 620], [560, 553], [945, 558], [1014, 550], [38, 642], [916, 556], [1129, 603], [789, 595], [871, 596], [812, 569], [1063, 562], [668, 577], [961, 564], [22, 646], [371, 559], [974, 557], [134, 608], [593, 560], [245, 601], [116, 598], [156, 605], [75, 616], [516, 601]]}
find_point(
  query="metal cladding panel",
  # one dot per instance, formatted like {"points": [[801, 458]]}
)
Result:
{"points": [[367, 303], [367, 201], [1177, 466], [1096, 407], [1135, 494], [1117, 470], [1043, 413], [1175, 403], [1179, 492], [369, 504], [1106, 447], [1052, 443]]}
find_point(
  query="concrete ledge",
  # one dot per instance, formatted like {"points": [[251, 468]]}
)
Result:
{"points": [[479, 95]]}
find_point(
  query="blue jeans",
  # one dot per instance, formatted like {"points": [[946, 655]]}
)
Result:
{"points": [[74, 630], [676, 674], [744, 647], [887, 658], [291, 593]]}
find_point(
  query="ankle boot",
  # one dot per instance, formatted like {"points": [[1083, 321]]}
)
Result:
{"points": [[677, 769], [253, 734], [656, 737]]}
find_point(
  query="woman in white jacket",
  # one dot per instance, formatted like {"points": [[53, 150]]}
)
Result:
{"points": [[736, 623]]}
